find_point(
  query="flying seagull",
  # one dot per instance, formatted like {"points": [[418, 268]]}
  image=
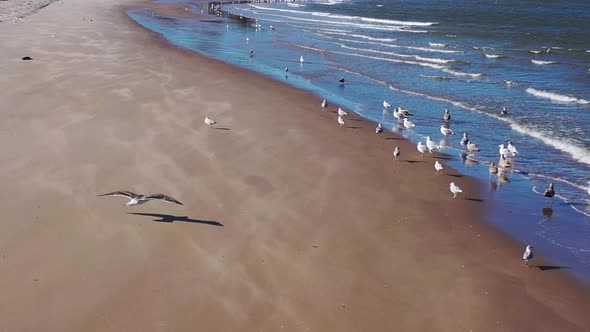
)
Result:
{"points": [[135, 199], [528, 255], [210, 121]]}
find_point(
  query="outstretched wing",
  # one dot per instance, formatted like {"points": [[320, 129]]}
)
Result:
{"points": [[164, 198], [123, 193]]}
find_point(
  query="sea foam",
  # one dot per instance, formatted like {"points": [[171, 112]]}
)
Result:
{"points": [[556, 96]]}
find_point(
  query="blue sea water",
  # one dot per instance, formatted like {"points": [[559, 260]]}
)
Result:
{"points": [[472, 57]]}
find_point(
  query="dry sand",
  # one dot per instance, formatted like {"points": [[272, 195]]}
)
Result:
{"points": [[290, 222]]}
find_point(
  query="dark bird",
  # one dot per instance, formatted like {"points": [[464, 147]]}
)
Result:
{"points": [[135, 199], [379, 129], [341, 80], [447, 115], [550, 191], [504, 111]]}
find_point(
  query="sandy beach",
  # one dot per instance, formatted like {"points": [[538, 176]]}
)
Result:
{"points": [[289, 221]]}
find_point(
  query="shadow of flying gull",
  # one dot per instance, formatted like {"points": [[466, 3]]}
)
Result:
{"points": [[170, 219]]}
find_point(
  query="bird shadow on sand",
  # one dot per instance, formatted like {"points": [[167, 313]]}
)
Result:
{"points": [[394, 138], [479, 200], [414, 161], [551, 267], [353, 127], [221, 128], [170, 218], [456, 175]]}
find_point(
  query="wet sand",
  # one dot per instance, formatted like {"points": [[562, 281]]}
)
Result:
{"points": [[289, 221]]}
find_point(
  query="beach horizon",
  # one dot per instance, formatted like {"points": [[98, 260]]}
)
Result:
{"points": [[289, 220]]}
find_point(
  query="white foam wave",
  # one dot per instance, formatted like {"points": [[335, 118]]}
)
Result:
{"points": [[535, 51], [291, 4], [493, 56], [437, 44], [425, 49], [434, 77], [554, 179], [416, 57], [587, 214], [556, 97], [539, 62], [460, 73], [579, 153], [346, 17]]}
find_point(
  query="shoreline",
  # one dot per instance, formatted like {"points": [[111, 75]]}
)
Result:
{"points": [[310, 239], [476, 182]]}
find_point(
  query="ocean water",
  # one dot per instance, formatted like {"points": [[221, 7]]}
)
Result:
{"points": [[472, 57]]}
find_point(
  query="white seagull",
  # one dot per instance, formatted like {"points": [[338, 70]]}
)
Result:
{"points": [[455, 189], [301, 59], [341, 121], [135, 199], [210, 121], [431, 145], [324, 104], [438, 167], [397, 114], [421, 148], [528, 255], [446, 131], [379, 129], [396, 153], [503, 150], [386, 104], [408, 124], [512, 148], [465, 139], [341, 112], [447, 115]]}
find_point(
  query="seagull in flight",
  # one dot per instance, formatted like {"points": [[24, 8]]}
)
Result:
{"points": [[136, 199], [210, 121]]}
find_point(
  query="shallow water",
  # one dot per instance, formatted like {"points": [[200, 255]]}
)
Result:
{"points": [[471, 57]]}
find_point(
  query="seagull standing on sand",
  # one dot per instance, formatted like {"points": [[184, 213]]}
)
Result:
{"points": [[386, 105], [379, 129], [438, 167], [135, 199], [341, 112], [421, 148], [324, 105], [465, 139], [396, 153], [341, 121], [455, 189], [408, 124], [550, 191], [209, 121], [447, 115], [528, 255], [446, 131], [493, 168], [430, 144]]}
